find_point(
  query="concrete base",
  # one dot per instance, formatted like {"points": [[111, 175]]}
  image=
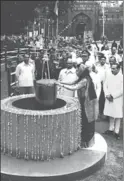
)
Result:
{"points": [[79, 165]]}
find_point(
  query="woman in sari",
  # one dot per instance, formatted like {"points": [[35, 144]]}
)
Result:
{"points": [[88, 102]]}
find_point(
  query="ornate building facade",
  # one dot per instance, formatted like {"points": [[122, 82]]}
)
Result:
{"points": [[86, 19], [83, 19]]}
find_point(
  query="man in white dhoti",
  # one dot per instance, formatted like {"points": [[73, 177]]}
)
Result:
{"points": [[113, 89]]}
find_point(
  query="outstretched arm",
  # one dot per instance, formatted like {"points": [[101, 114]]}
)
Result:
{"points": [[77, 86], [69, 83]]}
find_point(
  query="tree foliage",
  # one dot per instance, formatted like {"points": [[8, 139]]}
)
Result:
{"points": [[18, 13], [63, 7]]}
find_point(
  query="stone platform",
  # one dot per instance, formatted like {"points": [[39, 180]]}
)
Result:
{"points": [[81, 164], [101, 126]]}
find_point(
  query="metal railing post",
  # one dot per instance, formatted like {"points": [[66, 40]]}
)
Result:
{"points": [[18, 56], [6, 62], [29, 51], [9, 80]]}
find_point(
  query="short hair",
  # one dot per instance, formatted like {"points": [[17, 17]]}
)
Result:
{"points": [[26, 55], [64, 51], [89, 46], [112, 57], [103, 56], [84, 52], [118, 66], [114, 47], [69, 55], [100, 54]]}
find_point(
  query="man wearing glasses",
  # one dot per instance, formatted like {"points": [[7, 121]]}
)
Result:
{"points": [[67, 75]]}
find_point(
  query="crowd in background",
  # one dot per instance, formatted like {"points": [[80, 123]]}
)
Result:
{"points": [[67, 46], [103, 64], [15, 41]]}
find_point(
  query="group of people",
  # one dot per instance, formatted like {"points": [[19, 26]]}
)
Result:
{"points": [[94, 75], [107, 76], [20, 41]]}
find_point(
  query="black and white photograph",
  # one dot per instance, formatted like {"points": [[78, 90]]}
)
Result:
{"points": [[61, 90]]}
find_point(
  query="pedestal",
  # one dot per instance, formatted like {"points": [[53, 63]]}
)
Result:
{"points": [[81, 164]]}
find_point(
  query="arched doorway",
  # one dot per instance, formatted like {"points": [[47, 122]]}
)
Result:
{"points": [[80, 28], [81, 23]]}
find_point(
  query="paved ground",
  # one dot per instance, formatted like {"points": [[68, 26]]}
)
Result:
{"points": [[113, 168]]}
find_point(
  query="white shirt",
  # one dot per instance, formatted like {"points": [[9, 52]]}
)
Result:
{"points": [[107, 55], [25, 74], [94, 47], [102, 71], [118, 58], [79, 60], [32, 62], [114, 87], [68, 76], [73, 56], [100, 46], [112, 84], [92, 57], [37, 44], [90, 62]]}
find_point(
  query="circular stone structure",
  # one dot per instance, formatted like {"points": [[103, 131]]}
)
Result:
{"points": [[41, 136], [33, 134]]}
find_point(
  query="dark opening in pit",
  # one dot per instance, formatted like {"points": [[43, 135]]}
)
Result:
{"points": [[32, 104]]}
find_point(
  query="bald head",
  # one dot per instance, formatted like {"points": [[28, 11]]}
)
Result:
{"points": [[69, 63]]}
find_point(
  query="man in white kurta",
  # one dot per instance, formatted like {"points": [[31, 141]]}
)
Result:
{"points": [[67, 75], [25, 76], [113, 89]]}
